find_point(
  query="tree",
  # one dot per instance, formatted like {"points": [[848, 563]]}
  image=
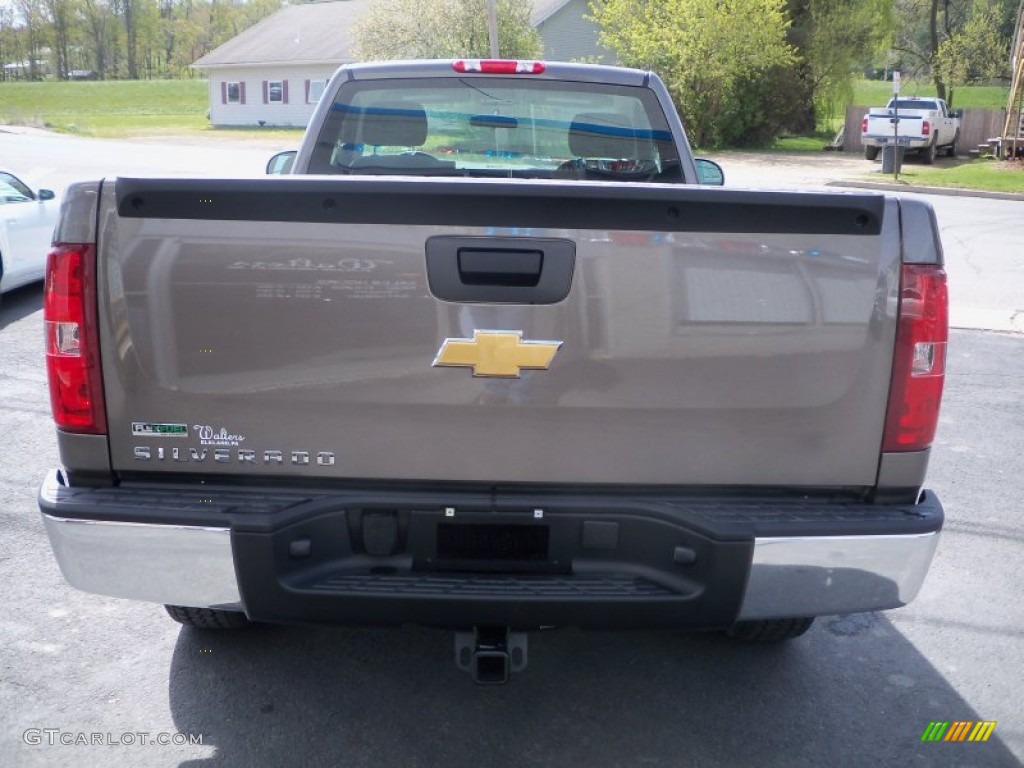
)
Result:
{"points": [[925, 26], [833, 38], [33, 17], [120, 38], [443, 29], [129, 11], [721, 59], [10, 48], [101, 25], [976, 52], [60, 17]]}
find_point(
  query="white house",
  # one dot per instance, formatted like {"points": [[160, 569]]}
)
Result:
{"points": [[274, 72], [567, 33]]}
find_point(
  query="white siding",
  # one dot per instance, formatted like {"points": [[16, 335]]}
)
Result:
{"points": [[295, 113], [568, 36]]}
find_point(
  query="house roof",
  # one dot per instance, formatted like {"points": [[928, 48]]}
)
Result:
{"points": [[314, 32], [310, 32], [545, 9]]}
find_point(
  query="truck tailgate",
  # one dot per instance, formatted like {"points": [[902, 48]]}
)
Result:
{"points": [[288, 327], [911, 126]]}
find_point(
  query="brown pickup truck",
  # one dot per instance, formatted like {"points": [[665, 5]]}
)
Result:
{"points": [[491, 357]]}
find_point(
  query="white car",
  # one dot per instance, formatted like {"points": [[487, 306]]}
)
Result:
{"points": [[27, 219]]}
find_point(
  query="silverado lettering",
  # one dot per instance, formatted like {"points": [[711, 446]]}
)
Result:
{"points": [[225, 455]]}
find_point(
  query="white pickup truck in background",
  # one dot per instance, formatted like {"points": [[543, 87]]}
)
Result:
{"points": [[923, 124]]}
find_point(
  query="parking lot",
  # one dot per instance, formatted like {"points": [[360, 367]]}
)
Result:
{"points": [[856, 690]]}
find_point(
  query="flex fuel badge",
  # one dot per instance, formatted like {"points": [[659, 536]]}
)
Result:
{"points": [[151, 429]]}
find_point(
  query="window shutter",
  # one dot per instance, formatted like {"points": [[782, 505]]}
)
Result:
{"points": [[266, 96], [223, 92], [307, 91], [241, 92], [284, 92]]}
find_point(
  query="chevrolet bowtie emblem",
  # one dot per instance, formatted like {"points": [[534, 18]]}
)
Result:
{"points": [[497, 353]]}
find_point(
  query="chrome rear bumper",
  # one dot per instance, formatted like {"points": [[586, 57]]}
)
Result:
{"points": [[194, 566], [824, 575], [174, 565], [192, 547]]}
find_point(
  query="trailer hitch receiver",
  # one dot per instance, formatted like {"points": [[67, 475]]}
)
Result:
{"points": [[490, 654]]}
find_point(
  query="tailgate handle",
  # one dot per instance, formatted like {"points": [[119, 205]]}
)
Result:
{"points": [[500, 270], [497, 266]]}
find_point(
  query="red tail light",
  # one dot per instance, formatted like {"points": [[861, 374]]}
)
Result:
{"points": [[919, 366], [926, 128], [72, 347], [864, 125], [499, 66]]}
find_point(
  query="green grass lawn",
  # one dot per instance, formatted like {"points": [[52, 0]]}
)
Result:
{"points": [[119, 109], [816, 142], [989, 175], [875, 93]]}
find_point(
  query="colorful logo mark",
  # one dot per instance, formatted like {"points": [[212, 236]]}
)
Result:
{"points": [[958, 730]]}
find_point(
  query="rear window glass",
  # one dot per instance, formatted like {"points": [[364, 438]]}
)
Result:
{"points": [[913, 104], [503, 127]]}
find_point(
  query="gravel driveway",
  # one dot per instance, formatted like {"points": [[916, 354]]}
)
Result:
{"points": [[788, 170]]}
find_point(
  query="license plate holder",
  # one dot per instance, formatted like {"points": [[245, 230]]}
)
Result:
{"points": [[488, 542]]}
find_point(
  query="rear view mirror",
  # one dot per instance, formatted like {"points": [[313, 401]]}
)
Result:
{"points": [[709, 172], [281, 162], [46, 194]]}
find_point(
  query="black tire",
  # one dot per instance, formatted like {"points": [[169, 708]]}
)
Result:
{"points": [[951, 148], [207, 618], [769, 630], [870, 153], [928, 153]]}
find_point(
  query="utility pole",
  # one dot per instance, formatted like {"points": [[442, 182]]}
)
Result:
{"points": [[897, 155], [492, 27]]}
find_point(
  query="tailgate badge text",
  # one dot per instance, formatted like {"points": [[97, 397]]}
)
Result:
{"points": [[150, 429], [209, 436]]}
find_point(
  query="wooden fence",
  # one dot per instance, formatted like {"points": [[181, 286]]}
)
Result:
{"points": [[976, 127]]}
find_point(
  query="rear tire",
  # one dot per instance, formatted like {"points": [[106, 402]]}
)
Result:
{"points": [[207, 618], [951, 148], [770, 630], [928, 153], [870, 153]]}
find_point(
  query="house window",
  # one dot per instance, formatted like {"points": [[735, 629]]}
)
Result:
{"points": [[234, 93], [316, 90], [275, 92]]}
